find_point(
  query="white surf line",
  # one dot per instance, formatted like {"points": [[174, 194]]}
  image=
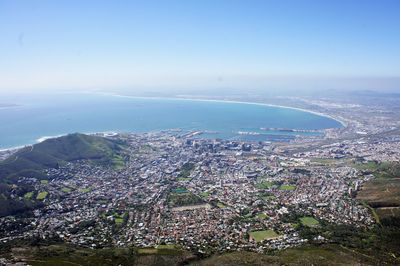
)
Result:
{"points": [[41, 139], [343, 123], [13, 148]]}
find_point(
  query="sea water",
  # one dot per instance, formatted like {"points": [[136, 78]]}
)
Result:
{"points": [[37, 116]]}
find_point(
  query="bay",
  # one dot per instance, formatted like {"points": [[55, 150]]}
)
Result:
{"points": [[36, 116]]}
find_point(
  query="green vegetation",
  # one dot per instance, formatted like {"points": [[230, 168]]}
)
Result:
{"points": [[85, 190], [325, 255], [205, 194], [259, 236], [349, 246], [381, 194], [266, 196], [31, 161], [262, 216], [163, 250], [287, 187], [120, 218], [68, 255], [380, 170], [247, 216], [147, 251], [371, 166], [160, 249], [28, 195], [66, 189], [118, 162], [309, 221], [147, 148], [180, 190], [185, 171], [182, 197], [220, 205], [42, 195], [16, 206], [183, 179], [381, 242], [265, 185], [326, 161], [167, 246], [52, 153]]}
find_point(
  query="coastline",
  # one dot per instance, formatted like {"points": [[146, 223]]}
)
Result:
{"points": [[342, 122], [14, 148], [43, 138]]}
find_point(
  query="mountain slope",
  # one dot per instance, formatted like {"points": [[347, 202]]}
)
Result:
{"points": [[31, 161]]}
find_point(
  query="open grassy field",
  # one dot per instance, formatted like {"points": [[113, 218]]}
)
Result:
{"points": [[263, 235], [262, 216], [264, 185], [119, 220], [309, 221], [85, 190], [28, 195], [287, 187], [329, 161], [182, 197], [66, 189], [42, 195]]}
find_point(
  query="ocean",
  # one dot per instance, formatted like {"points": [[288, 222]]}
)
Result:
{"points": [[37, 116]]}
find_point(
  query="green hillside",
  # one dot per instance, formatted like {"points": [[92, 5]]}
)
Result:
{"points": [[51, 153], [31, 161]]}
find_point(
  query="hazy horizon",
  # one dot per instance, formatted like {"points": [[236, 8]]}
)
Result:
{"points": [[191, 45]]}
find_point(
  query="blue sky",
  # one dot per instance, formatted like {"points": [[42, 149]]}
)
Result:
{"points": [[187, 43]]}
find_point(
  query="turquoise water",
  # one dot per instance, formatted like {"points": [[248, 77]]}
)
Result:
{"points": [[51, 115]]}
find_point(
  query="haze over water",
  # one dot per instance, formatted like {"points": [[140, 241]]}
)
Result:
{"points": [[51, 115]]}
